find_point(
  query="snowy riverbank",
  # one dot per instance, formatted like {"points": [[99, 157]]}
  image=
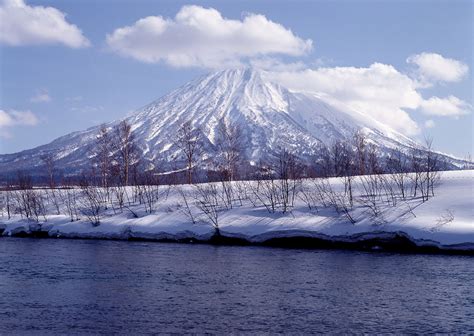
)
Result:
{"points": [[445, 221]]}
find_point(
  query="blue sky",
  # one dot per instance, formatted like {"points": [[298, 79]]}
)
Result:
{"points": [[55, 84]]}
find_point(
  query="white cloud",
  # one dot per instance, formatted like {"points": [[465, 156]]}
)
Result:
{"points": [[15, 118], [434, 67], [429, 123], [41, 97], [35, 25], [202, 37], [451, 106], [379, 90]]}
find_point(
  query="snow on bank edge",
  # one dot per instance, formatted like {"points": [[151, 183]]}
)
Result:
{"points": [[455, 195]]}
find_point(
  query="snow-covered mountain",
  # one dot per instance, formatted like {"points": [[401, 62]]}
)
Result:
{"points": [[269, 116]]}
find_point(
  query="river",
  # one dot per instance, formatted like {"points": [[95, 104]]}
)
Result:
{"points": [[92, 286]]}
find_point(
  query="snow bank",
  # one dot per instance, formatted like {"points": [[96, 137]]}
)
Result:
{"points": [[445, 220]]}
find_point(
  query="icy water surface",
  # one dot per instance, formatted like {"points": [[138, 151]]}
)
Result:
{"points": [[80, 286]]}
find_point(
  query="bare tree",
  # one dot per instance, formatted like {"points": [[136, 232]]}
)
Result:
{"points": [[186, 209], [188, 141], [229, 139], [69, 196], [360, 144], [288, 179], [91, 202], [207, 200], [48, 161], [347, 168], [227, 193], [308, 194], [103, 158], [397, 166], [266, 188], [337, 158], [149, 190], [469, 163], [53, 196], [278, 184], [326, 165], [431, 168], [371, 195], [30, 202], [330, 197], [8, 198], [416, 167], [241, 191], [373, 160], [127, 152]]}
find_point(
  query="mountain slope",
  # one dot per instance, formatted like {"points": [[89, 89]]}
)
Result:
{"points": [[269, 116]]}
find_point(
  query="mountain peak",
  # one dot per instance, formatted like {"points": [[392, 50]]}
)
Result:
{"points": [[244, 72], [235, 76], [269, 116]]}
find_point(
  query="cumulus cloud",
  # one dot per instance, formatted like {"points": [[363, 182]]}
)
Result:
{"points": [[202, 37], [41, 97], [379, 90], [451, 106], [15, 118], [36, 25], [434, 67]]}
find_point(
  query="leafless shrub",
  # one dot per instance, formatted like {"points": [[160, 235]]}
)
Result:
{"points": [[151, 196], [119, 194], [185, 208], [310, 196], [388, 190], [242, 191], [329, 197], [53, 197], [397, 166], [227, 194], [266, 192], [70, 196], [29, 202], [91, 202], [371, 187], [345, 206], [277, 188], [207, 200], [7, 200], [446, 217], [288, 180]]}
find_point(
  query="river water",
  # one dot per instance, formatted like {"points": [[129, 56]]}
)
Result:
{"points": [[91, 286]]}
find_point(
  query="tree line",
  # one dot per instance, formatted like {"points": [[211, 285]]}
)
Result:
{"points": [[119, 181]]}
